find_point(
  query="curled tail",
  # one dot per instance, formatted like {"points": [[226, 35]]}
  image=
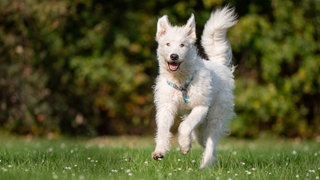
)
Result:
{"points": [[214, 40]]}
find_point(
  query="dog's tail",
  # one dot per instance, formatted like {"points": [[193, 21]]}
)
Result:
{"points": [[214, 40]]}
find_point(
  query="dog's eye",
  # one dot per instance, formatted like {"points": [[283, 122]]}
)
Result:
{"points": [[168, 44], [181, 45]]}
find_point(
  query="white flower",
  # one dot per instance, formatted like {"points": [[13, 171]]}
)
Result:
{"points": [[54, 175], [312, 171], [294, 152], [4, 169]]}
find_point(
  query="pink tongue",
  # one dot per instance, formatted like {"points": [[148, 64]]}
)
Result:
{"points": [[173, 66]]}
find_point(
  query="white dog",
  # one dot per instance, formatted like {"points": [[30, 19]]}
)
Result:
{"points": [[187, 83]]}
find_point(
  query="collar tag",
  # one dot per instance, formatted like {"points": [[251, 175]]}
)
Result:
{"points": [[183, 89]]}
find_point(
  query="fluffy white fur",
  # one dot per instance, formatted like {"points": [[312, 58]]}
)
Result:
{"points": [[210, 92]]}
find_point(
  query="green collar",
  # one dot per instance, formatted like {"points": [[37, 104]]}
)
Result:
{"points": [[183, 89]]}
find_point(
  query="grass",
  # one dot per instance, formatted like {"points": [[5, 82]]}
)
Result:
{"points": [[130, 158]]}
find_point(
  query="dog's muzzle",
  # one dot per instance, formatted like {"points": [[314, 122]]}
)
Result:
{"points": [[174, 64]]}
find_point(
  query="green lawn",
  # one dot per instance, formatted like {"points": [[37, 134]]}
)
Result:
{"points": [[130, 158]]}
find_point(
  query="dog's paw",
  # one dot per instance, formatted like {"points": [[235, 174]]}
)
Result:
{"points": [[185, 149], [184, 143], [208, 162], [157, 155]]}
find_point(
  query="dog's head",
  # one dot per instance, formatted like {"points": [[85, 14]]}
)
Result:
{"points": [[174, 42]]}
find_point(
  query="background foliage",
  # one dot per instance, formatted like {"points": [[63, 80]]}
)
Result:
{"points": [[88, 66]]}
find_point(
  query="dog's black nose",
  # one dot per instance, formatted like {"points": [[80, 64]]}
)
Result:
{"points": [[174, 57]]}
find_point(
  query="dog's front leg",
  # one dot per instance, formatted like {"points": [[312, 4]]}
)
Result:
{"points": [[188, 125], [164, 118]]}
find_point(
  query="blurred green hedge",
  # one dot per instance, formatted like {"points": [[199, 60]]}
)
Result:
{"points": [[88, 66]]}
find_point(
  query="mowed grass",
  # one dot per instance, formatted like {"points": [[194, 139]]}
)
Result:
{"points": [[130, 158]]}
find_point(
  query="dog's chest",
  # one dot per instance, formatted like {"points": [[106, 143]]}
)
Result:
{"points": [[197, 94], [200, 92]]}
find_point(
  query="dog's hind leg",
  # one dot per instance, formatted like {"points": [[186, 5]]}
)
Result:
{"points": [[188, 125], [211, 137], [218, 117]]}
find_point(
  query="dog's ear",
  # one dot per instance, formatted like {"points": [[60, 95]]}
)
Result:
{"points": [[162, 26], [190, 28]]}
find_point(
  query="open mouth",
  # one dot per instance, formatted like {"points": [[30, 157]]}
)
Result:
{"points": [[173, 66]]}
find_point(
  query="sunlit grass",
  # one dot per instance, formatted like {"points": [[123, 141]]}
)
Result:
{"points": [[125, 157]]}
